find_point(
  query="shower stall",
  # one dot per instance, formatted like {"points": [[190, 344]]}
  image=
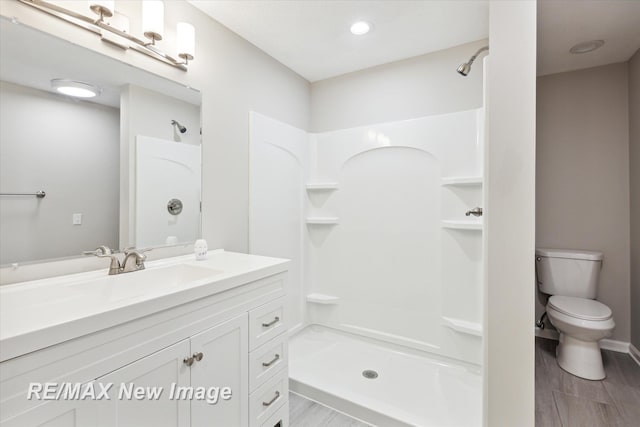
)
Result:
{"points": [[384, 229]]}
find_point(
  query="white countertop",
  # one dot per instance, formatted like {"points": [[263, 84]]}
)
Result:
{"points": [[41, 313]]}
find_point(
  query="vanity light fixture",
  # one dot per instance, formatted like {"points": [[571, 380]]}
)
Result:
{"points": [[153, 19], [186, 35], [360, 28], [588, 46], [104, 8], [75, 88], [152, 27]]}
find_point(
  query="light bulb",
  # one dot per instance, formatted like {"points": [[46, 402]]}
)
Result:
{"points": [[186, 41], [153, 19]]}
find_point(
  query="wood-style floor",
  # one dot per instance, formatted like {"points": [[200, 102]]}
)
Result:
{"points": [[563, 400], [305, 413]]}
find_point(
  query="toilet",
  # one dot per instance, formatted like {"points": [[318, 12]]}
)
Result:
{"points": [[568, 279]]}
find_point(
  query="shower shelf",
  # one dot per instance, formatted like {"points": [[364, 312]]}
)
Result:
{"points": [[322, 186], [462, 225], [461, 181], [464, 326], [322, 220], [322, 299]]}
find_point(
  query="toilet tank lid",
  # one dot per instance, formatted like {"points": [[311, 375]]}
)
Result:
{"points": [[569, 253]]}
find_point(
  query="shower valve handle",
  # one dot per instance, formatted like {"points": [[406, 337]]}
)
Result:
{"points": [[474, 212]]}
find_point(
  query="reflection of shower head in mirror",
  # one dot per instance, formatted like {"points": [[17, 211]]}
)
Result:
{"points": [[181, 128]]}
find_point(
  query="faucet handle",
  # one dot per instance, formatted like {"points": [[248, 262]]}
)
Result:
{"points": [[475, 212], [100, 251], [130, 249]]}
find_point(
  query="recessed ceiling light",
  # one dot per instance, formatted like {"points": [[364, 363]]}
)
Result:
{"points": [[75, 88], [585, 47], [361, 27]]}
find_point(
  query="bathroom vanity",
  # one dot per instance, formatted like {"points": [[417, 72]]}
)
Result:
{"points": [[215, 326]]}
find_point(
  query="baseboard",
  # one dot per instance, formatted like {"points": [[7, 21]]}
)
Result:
{"points": [[605, 344], [635, 353], [614, 345]]}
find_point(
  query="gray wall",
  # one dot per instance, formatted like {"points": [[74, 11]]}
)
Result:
{"points": [[415, 87], [69, 149], [234, 76], [634, 166], [582, 174]]}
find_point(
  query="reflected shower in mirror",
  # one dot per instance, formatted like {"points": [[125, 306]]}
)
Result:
{"points": [[113, 149]]}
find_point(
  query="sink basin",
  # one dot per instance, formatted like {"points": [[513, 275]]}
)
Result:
{"points": [[138, 283]]}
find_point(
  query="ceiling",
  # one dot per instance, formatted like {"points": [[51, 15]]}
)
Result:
{"points": [[562, 24], [313, 38]]}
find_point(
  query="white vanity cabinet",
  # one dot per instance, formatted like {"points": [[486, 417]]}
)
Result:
{"points": [[233, 339]]}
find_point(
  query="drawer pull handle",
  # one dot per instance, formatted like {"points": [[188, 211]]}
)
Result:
{"points": [[272, 400], [274, 360], [198, 356], [188, 361], [273, 322]]}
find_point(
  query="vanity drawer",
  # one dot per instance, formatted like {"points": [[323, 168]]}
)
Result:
{"points": [[266, 322], [268, 398], [280, 418], [266, 360]]}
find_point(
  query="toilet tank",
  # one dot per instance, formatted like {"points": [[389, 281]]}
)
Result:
{"points": [[568, 272]]}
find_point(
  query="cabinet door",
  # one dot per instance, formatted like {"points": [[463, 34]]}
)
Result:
{"points": [[56, 413], [158, 371], [224, 363]]}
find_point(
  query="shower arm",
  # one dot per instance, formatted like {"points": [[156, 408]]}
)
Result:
{"points": [[475, 55]]}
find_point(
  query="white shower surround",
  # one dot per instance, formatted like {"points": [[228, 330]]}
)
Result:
{"points": [[373, 219]]}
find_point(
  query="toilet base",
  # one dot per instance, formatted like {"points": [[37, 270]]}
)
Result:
{"points": [[580, 358]]}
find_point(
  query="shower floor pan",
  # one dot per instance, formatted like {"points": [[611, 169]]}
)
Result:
{"points": [[411, 388]]}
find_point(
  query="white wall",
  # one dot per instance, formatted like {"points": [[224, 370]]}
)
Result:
{"points": [[69, 149], [582, 175], [148, 113], [415, 87], [234, 77], [634, 182], [510, 220]]}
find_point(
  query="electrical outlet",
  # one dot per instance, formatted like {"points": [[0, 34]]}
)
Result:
{"points": [[77, 219]]}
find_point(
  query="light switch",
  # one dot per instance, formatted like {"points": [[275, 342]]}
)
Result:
{"points": [[77, 219]]}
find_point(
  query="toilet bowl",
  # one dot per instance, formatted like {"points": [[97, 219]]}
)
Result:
{"points": [[582, 323]]}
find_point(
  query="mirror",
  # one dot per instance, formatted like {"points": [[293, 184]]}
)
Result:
{"points": [[120, 169]]}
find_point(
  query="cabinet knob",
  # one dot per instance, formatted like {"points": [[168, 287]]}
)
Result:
{"points": [[198, 356], [188, 361]]}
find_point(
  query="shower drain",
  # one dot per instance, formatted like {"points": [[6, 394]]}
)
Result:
{"points": [[370, 374]]}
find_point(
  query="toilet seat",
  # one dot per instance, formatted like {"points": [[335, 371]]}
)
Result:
{"points": [[581, 308]]}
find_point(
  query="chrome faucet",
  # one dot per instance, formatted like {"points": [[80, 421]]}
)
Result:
{"points": [[133, 259]]}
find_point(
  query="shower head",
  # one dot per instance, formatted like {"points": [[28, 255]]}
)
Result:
{"points": [[465, 68], [181, 128]]}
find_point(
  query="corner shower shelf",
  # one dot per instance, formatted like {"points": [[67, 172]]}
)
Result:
{"points": [[461, 181], [462, 225], [322, 186], [322, 299], [464, 326], [322, 220]]}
